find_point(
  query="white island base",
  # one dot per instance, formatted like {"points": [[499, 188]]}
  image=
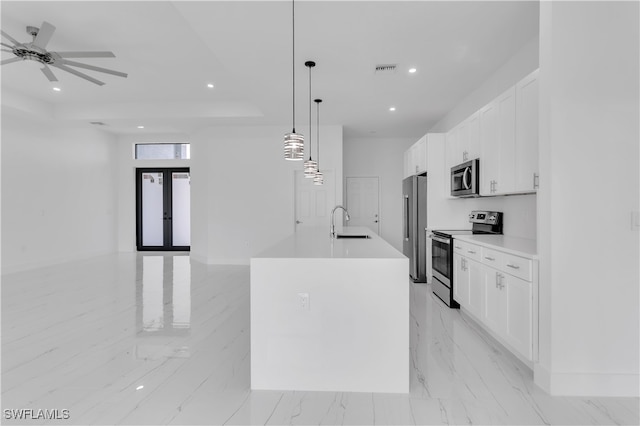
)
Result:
{"points": [[330, 315]]}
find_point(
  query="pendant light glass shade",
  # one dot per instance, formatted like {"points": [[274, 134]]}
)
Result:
{"points": [[318, 179], [293, 142], [293, 146], [310, 169]]}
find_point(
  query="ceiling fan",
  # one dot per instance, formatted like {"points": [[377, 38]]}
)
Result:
{"points": [[36, 51]]}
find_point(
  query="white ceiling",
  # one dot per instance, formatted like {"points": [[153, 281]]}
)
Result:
{"points": [[172, 49]]}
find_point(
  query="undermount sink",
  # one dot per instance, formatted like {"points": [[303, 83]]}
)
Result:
{"points": [[352, 236]]}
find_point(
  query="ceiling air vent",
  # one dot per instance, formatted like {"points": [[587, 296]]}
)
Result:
{"points": [[386, 69]]}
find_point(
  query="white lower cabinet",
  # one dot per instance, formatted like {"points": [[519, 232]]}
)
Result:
{"points": [[491, 292]]}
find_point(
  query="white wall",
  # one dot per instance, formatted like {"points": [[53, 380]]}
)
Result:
{"points": [[58, 191], [383, 158], [589, 187], [243, 189], [126, 165]]}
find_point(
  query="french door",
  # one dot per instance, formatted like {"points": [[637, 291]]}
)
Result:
{"points": [[163, 209]]}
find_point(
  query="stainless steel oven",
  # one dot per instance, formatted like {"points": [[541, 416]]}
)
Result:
{"points": [[442, 252], [465, 179], [440, 255]]}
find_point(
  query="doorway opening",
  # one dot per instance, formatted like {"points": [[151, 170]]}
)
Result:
{"points": [[363, 195], [163, 209]]}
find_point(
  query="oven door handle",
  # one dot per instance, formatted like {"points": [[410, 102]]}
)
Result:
{"points": [[440, 240]]}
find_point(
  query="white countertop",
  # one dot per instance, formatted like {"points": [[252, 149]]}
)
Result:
{"points": [[316, 243], [519, 246]]}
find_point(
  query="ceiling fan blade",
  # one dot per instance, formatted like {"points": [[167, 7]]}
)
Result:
{"points": [[91, 67], [44, 35], [78, 73], [6, 50], [11, 39], [48, 73], [6, 45], [8, 61], [83, 54]]}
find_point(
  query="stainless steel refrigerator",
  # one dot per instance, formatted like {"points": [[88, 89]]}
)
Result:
{"points": [[414, 208]]}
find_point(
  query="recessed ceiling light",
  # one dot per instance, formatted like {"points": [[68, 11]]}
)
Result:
{"points": [[140, 127], [392, 109], [56, 89], [210, 85], [412, 70]]}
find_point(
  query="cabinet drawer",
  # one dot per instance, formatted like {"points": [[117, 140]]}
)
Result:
{"points": [[516, 266], [493, 258], [465, 249]]}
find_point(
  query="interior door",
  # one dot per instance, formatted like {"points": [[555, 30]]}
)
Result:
{"points": [[363, 202], [163, 209], [313, 203]]}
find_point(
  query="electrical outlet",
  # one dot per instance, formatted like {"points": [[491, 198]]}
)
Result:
{"points": [[303, 301]]}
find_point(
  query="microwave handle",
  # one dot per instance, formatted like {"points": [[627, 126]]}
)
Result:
{"points": [[467, 171]]}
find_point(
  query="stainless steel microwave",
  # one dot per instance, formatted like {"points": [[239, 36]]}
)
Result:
{"points": [[465, 179]]}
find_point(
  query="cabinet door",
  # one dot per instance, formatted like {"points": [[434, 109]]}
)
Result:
{"points": [[407, 166], [506, 128], [421, 155], [472, 147], [461, 280], [451, 142], [519, 300], [490, 149], [493, 309], [475, 287], [526, 149], [454, 140]]}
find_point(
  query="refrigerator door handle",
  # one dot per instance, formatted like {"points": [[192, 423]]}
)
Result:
{"points": [[405, 207]]}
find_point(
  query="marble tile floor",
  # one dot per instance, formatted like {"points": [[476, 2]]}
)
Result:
{"points": [[145, 339]]}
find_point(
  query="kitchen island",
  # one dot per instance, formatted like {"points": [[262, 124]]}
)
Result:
{"points": [[330, 314]]}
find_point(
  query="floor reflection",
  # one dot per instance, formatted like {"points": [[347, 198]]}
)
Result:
{"points": [[163, 294]]}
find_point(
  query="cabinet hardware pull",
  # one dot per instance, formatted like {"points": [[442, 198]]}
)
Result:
{"points": [[513, 266], [458, 247], [490, 258], [471, 251], [536, 181]]}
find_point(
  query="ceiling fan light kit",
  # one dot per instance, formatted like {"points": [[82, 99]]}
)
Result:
{"points": [[36, 51]]}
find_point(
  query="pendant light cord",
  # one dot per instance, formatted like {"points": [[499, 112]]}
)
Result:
{"points": [[317, 101], [310, 144], [293, 60]]}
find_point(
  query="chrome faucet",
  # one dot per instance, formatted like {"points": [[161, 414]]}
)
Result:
{"points": [[333, 226]]}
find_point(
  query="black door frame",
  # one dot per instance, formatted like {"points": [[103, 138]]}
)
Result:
{"points": [[168, 208]]}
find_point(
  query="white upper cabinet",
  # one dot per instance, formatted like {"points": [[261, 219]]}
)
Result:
{"points": [[526, 149], [490, 148], [415, 158], [508, 139], [463, 141], [471, 146], [497, 141]]}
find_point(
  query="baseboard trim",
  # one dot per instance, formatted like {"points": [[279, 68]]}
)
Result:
{"points": [[587, 384], [23, 267]]}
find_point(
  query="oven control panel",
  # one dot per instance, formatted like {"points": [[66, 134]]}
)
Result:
{"points": [[484, 217]]}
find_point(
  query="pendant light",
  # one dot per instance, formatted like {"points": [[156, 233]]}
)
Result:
{"points": [[293, 142], [310, 166], [318, 178]]}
